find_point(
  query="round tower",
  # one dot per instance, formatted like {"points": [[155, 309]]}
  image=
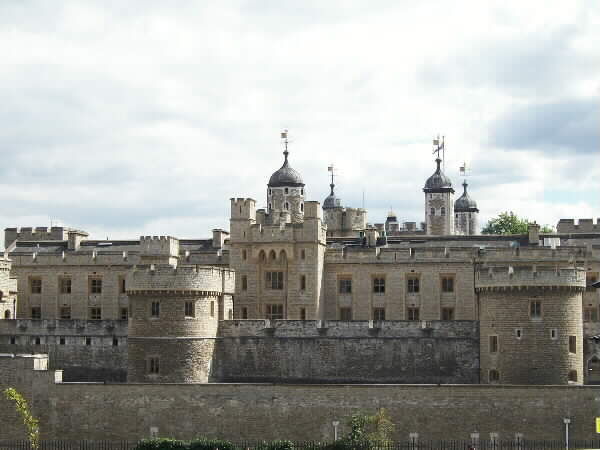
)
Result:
{"points": [[466, 214], [439, 203], [174, 314], [285, 192], [530, 324]]}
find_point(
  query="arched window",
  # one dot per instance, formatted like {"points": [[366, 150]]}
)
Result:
{"points": [[432, 212], [282, 255], [272, 256], [443, 211], [302, 207], [7, 314], [287, 206], [270, 192], [301, 191], [573, 376], [270, 206], [262, 256]]}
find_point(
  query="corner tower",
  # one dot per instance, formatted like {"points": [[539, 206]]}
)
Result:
{"points": [[439, 202], [285, 192], [466, 214]]}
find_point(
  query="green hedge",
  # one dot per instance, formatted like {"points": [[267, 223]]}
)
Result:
{"points": [[210, 444]]}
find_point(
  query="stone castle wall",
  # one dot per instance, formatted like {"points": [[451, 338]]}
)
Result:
{"points": [[298, 412], [342, 352], [86, 350], [583, 226]]}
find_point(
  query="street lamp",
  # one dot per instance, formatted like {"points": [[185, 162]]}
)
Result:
{"points": [[335, 424], [566, 421]]}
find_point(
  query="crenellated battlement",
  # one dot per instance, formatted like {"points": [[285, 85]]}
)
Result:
{"points": [[165, 278], [584, 226], [535, 253], [243, 208], [159, 249], [38, 234], [515, 277]]}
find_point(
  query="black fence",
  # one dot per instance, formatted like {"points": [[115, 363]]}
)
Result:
{"points": [[404, 445]]}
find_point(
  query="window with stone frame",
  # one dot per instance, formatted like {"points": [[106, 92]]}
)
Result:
{"points": [[302, 313], [65, 285], [448, 283], [95, 285], [535, 309], [124, 313], [412, 313], [379, 285], [65, 312], [212, 309], [274, 280], [95, 313], [493, 376], [378, 313], [590, 314], [274, 311], [244, 313], [412, 285], [572, 344], [189, 309], [36, 312], [432, 211], [153, 365], [345, 313], [442, 211], [244, 282], [155, 309], [122, 285], [230, 314], [493, 344], [447, 313], [302, 282], [35, 285], [345, 285], [572, 376]]}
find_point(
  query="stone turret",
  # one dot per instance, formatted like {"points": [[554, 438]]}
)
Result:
{"points": [[439, 203], [531, 324], [466, 214], [173, 321], [8, 290]]}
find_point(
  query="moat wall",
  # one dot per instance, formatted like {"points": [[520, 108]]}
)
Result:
{"points": [[292, 411], [347, 352]]}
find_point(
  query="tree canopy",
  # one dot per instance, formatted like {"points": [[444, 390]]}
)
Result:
{"points": [[510, 223]]}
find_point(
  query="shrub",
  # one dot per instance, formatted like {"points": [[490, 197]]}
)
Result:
{"points": [[211, 444], [161, 444]]}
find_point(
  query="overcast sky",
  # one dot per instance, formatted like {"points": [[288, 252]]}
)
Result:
{"points": [[127, 118]]}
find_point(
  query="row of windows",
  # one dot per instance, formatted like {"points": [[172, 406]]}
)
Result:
{"points": [[94, 313], [275, 312], [272, 255], [494, 376], [493, 346], [286, 206], [65, 285], [442, 211], [412, 285], [189, 310], [287, 191], [62, 340], [274, 280]]}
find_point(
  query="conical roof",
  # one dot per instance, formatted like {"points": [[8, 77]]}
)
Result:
{"points": [[285, 176], [465, 202]]}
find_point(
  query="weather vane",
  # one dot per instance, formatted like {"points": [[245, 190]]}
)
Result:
{"points": [[439, 147]]}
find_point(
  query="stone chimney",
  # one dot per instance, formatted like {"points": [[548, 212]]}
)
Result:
{"points": [[533, 230]]}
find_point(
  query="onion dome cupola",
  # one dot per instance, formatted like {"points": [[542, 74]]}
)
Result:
{"points": [[285, 191], [465, 203], [331, 201], [438, 182]]}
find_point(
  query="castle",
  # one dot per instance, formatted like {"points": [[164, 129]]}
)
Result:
{"points": [[299, 293]]}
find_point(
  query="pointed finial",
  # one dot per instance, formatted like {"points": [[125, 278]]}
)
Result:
{"points": [[332, 185], [465, 184], [284, 136]]}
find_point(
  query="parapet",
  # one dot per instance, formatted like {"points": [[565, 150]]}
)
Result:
{"points": [[515, 277], [243, 208], [38, 234], [159, 246], [584, 226], [165, 279]]}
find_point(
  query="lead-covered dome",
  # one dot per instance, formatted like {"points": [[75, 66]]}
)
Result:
{"points": [[465, 202], [439, 180], [331, 201], [286, 176]]}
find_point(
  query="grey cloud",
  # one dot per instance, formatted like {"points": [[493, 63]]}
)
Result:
{"points": [[564, 126]]}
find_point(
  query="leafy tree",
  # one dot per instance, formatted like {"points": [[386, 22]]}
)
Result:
{"points": [[510, 223], [370, 431], [32, 424]]}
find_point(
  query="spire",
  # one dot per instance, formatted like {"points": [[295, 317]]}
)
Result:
{"points": [[285, 142], [332, 185], [465, 184]]}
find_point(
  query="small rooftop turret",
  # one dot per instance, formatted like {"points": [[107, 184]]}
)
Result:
{"points": [[465, 203]]}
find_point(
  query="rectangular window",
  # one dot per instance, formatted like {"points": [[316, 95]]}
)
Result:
{"points": [[153, 365], [493, 344], [36, 285], [379, 285], [302, 282], [155, 309], [62, 341], [302, 313], [122, 285], [36, 312], [447, 313], [189, 309], [345, 313], [124, 313], [244, 282], [412, 285], [274, 312], [65, 285], [378, 313], [13, 340], [590, 315], [212, 309], [244, 313], [535, 309], [65, 312], [553, 334], [96, 313], [345, 286], [572, 344], [115, 342], [413, 313], [95, 285], [274, 280], [88, 341], [447, 284]]}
